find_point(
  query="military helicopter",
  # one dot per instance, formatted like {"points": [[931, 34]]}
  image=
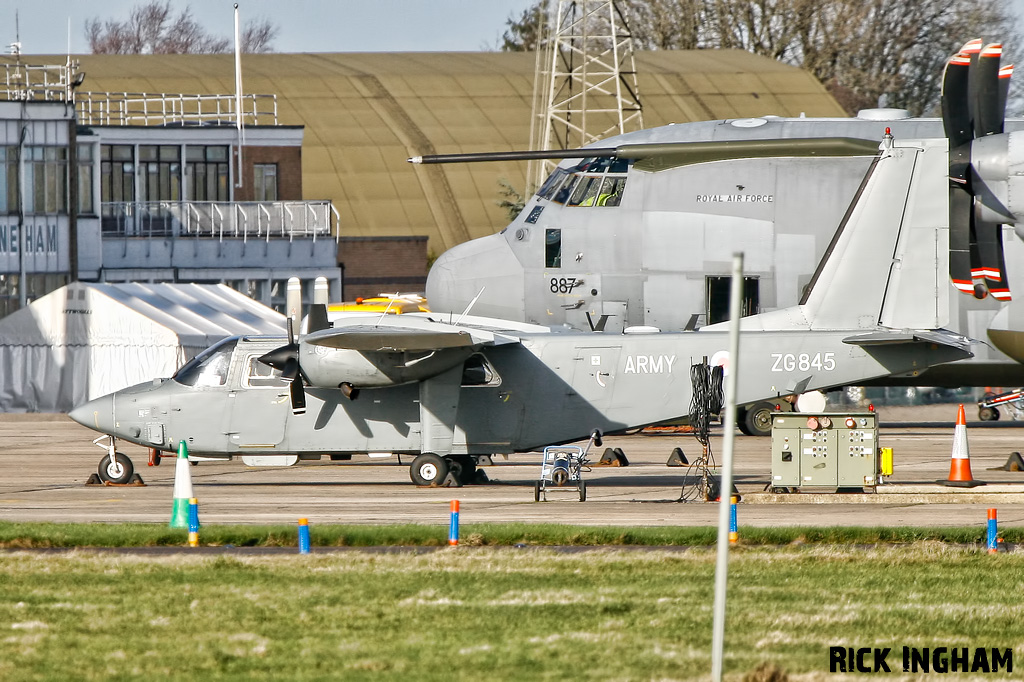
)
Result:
{"points": [[637, 229], [445, 390]]}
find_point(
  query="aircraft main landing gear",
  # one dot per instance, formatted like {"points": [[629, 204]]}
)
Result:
{"points": [[428, 469], [431, 470]]}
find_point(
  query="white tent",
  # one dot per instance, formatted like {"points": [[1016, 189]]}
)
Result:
{"points": [[86, 340]]}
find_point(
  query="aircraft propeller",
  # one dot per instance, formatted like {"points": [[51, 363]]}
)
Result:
{"points": [[286, 358], [974, 94]]}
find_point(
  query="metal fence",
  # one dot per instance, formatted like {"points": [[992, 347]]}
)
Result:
{"points": [[221, 220], [145, 108], [31, 82]]}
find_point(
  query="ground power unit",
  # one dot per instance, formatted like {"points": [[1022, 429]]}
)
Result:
{"points": [[827, 452]]}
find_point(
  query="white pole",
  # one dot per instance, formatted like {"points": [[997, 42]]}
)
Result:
{"points": [[238, 96], [725, 487]]}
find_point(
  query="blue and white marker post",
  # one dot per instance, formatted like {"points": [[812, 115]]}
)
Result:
{"points": [[453, 530], [734, 534], [993, 532], [303, 536], [193, 522]]}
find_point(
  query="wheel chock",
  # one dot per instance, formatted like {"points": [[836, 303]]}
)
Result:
{"points": [[134, 481], [481, 477], [484, 460], [677, 458], [1014, 463], [451, 481], [613, 457]]}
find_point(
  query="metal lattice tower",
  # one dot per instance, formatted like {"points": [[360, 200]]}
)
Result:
{"points": [[585, 87]]}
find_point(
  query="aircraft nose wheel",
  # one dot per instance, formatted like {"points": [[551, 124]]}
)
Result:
{"points": [[116, 469], [428, 469]]}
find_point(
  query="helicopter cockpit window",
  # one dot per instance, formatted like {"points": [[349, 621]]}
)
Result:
{"points": [[547, 190], [478, 372], [586, 191], [611, 191], [565, 191], [260, 375], [209, 368]]}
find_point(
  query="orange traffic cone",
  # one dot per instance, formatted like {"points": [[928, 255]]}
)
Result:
{"points": [[960, 462]]}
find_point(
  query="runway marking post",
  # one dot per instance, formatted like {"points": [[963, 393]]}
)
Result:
{"points": [[993, 532], [734, 534], [193, 522], [304, 536], [453, 529]]}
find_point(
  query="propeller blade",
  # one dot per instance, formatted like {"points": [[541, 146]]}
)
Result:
{"points": [[985, 90], [960, 209], [956, 117], [298, 395], [1005, 73], [317, 318], [971, 50], [990, 242]]}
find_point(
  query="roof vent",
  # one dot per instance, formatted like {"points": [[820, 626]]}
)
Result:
{"points": [[748, 122], [883, 114]]}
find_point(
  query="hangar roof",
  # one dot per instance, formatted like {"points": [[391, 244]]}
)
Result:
{"points": [[366, 113]]}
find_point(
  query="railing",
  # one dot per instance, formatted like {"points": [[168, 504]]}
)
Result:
{"points": [[221, 220], [31, 82], [145, 108]]}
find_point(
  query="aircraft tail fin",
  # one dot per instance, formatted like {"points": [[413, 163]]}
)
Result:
{"points": [[887, 264]]}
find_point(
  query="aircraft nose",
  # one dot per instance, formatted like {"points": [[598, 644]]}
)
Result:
{"points": [[97, 414], [487, 263]]}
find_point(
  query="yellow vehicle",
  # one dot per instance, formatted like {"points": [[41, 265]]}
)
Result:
{"points": [[395, 304]]}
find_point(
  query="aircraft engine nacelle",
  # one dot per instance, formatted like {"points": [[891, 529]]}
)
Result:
{"points": [[332, 367], [998, 179]]}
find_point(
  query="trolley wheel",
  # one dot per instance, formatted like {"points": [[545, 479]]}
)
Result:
{"points": [[988, 414], [583, 491], [428, 469], [536, 491], [118, 470]]}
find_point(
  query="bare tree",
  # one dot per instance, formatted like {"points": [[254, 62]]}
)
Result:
{"points": [[863, 51], [152, 28]]}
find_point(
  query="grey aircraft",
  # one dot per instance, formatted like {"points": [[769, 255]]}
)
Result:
{"points": [[637, 229], [445, 390]]}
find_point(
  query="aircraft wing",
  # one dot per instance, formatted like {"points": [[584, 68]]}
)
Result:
{"points": [[370, 338]]}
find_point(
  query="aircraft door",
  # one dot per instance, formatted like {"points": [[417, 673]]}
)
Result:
{"points": [[593, 378], [258, 406]]}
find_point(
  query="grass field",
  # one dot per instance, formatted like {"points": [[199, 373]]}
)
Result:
{"points": [[485, 613]]}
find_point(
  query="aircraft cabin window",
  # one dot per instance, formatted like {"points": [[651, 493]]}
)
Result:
{"points": [[553, 248], [478, 372], [260, 375], [209, 368]]}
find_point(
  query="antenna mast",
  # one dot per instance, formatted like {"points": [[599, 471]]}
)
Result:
{"points": [[585, 86]]}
